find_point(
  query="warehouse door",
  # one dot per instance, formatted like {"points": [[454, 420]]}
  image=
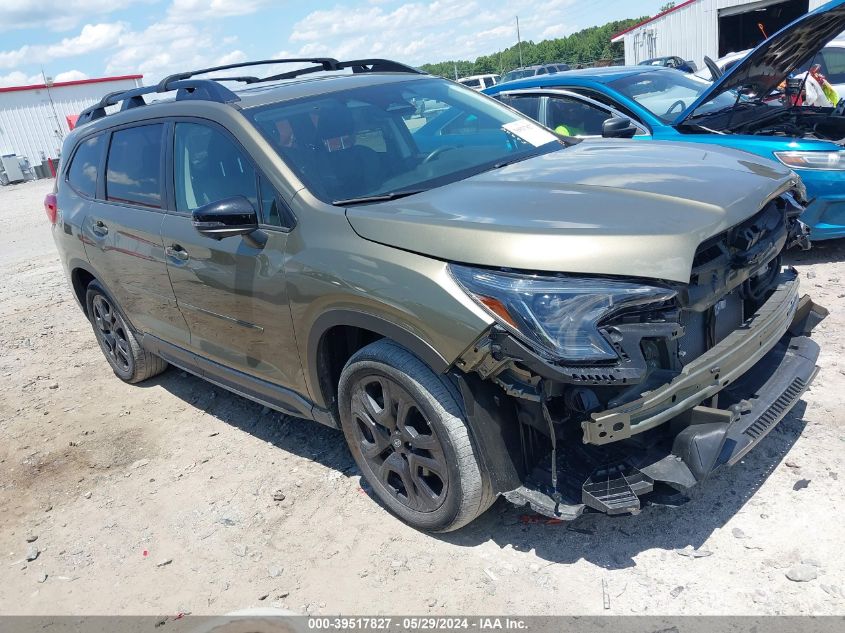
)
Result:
{"points": [[745, 26]]}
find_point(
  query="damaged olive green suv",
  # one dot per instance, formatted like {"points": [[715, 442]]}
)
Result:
{"points": [[484, 308]]}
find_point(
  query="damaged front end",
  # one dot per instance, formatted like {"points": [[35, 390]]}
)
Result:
{"points": [[681, 378]]}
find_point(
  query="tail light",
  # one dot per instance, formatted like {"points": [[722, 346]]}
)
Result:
{"points": [[50, 207]]}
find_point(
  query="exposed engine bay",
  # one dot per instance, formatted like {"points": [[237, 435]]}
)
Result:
{"points": [[809, 122], [693, 374]]}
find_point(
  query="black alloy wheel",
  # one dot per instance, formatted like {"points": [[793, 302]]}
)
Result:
{"points": [[399, 443]]}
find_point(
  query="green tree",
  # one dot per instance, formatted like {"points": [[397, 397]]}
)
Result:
{"points": [[586, 47], [667, 6]]}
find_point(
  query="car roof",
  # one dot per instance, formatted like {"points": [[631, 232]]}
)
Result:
{"points": [[602, 75], [254, 95]]}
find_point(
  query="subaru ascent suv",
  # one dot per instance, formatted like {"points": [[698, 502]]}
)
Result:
{"points": [[482, 307]]}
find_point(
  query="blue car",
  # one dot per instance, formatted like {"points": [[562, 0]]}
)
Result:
{"points": [[744, 109]]}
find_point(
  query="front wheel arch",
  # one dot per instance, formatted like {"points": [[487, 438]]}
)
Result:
{"points": [[337, 334]]}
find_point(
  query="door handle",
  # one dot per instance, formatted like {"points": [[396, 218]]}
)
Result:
{"points": [[176, 252], [100, 228]]}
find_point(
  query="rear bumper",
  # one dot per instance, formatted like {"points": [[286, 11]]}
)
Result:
{"points": [[698, 440]]}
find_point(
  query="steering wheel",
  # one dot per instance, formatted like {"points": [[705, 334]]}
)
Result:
{"points": [[437, 153], [677, 103]]}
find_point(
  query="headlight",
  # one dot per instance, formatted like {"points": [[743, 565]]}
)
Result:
{"points": [[834, 161], [558, 314]]}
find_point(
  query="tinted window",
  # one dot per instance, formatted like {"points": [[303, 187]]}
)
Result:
{"points": [[834, 64], [396, 137], [82, 174], [210, 167], [529, 106], [572, 117], [134, 166], [271, 209]]}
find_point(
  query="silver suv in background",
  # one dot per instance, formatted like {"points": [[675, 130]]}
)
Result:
{"points": [[530, 71]]}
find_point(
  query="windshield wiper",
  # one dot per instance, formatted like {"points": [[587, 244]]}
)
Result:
{"points": [[736, 106], [381, 197]]}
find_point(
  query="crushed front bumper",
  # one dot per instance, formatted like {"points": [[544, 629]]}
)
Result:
{"points": [[669, 438], [711, 372]]}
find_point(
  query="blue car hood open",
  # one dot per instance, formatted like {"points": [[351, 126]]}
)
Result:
{"points": [[765, 67]]}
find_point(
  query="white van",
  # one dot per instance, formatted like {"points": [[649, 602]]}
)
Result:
{"points": [[479, 82]]}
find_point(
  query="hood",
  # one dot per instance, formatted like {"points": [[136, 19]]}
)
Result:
{"points": [[605, 207], [766, 66]]}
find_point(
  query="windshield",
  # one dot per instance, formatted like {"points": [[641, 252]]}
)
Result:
{"points": [[668, 93], [397, 137], [517, 74]]}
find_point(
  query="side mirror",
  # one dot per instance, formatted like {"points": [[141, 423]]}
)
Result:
{"points": [[226, 218], [618, 127]]}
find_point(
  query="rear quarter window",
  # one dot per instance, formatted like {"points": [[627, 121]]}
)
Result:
{"points": [[133, 169], [82, 173]]}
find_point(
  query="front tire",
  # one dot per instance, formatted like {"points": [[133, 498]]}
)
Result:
{"points": [[129, 361], [409, 437]]}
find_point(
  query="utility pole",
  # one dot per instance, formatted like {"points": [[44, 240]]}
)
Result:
{"points": [[48, 83], [456, 70], [519, 42]]}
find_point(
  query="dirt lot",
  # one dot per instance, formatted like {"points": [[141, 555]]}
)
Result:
{"points": [[158, 498]]}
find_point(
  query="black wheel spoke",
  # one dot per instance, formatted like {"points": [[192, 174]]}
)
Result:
{"points": [[381, 437], [377, 399], [428, 475], [404, 486], [122, 348], [422, 442]]}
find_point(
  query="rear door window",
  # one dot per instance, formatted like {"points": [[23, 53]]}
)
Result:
{"points": [[133, 169], [82, 173], [834, 64], [528, 105]]}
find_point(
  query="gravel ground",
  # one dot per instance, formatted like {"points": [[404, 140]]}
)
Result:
{"points": [[162, 497]]}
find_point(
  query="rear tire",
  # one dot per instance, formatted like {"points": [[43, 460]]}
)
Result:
{"points": [[129, 361], [409, 437]]}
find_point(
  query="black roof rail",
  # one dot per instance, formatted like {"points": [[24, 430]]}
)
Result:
{"points": [[326, 63], [374, 65], [377, 65], [206, 89], [210, 89], [246, 79]]}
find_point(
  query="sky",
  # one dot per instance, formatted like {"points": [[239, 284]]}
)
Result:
{"points": [[78, 39]]}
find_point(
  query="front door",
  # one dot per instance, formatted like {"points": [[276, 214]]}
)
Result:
{"points": [[122, 230], [232, 291]]}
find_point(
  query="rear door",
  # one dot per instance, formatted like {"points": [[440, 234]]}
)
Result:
{"points": [[232, 292], [122, 227]]}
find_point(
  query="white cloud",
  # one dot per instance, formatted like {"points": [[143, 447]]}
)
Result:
{"points": [[10, 59], [57, 15], [17, 78], [211, 9], [93, 37], [168, 47], [70, 75], [419, 32]]}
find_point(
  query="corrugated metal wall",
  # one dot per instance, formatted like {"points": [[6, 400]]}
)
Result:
{"points": [[28, 123], [690, 32]]}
